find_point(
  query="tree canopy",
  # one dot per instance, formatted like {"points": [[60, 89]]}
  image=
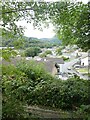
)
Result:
{"points": [[71, 20], [32, 51]]}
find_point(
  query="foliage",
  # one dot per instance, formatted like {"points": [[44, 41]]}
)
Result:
{"points": [[33, 42], [83, 29], [28, 83], [48, 91], [72, 26], [42, 55], [65, 58], [65, 95], [70, 19], [85, 109], [11, 40], [25, 42], [48, 52], [13, 88], [8, 53], [19, 43], [34, 71], [58, 51], [32, 51]]}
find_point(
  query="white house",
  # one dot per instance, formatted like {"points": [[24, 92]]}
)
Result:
{"points": [[61, 67], [85, 61], [6, 47]]}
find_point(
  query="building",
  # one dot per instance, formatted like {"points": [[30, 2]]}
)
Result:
{"points": [[85, 61], [49, 64]]}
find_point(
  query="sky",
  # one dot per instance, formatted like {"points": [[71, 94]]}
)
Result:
{"points": [[31, 32], [47, 32]]}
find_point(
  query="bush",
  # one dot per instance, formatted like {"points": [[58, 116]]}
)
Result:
{"points": [[33, 70], [13, 87], [33, 51], [59, 51], [68, 94], [48, 52], [84, 110], [49, 91], [43, 55], [65, 58], [28, 83]]}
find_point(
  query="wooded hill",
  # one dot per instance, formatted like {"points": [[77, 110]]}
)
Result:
{"points": [[32, 42]]}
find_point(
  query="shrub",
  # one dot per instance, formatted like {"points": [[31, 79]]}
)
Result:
{"points": [[28, 83], [68, 94], [65, 58], [13, 87], [33, 51], [48, 52], [84, 110], [43, 55], [49, 91]]}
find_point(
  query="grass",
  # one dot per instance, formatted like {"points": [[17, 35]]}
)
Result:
{"points": [[83, 70], [89, 74]]}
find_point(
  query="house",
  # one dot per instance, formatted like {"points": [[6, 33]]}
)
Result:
{"points": [[6, 47], [49, 64], [85, 61], [52, 62]]}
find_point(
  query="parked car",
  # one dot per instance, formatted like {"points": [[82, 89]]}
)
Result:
{"points": [[70, 74], [77, 66], [62, 76], [69, 68]]}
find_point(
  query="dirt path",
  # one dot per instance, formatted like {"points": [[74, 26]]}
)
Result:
{"points": [[47, 113]]}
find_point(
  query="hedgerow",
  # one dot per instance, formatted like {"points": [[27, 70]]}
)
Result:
{"points": [[29, 84]]}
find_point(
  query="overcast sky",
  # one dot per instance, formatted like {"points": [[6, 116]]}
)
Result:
{"points": [[31, 32], [47, 33]]}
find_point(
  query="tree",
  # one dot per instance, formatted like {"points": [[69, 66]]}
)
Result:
{"points": [[83, 30], [33, 51], [16, 11], [48, 52], [73, 25], [65, 16], [59, 51]]}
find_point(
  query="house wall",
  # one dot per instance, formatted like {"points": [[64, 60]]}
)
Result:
{"points": [[84, 61], [54, 71], [61, 67]]}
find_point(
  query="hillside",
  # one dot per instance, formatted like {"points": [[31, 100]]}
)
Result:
{"points": [[32, 42], [51, 40], [54, 40]]}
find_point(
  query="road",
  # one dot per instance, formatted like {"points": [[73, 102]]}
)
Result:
{"points": [[69, 65], [85, 77]]}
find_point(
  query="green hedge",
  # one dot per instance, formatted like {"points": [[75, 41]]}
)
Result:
{"points": [[13, 88], [65, 58], [32, 51], [28, 83], [68, 94], [49, 91]]}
